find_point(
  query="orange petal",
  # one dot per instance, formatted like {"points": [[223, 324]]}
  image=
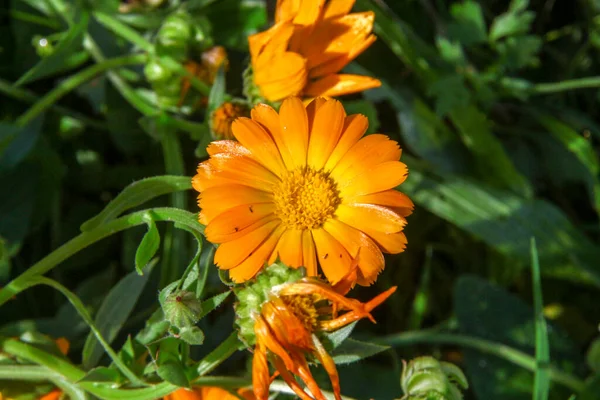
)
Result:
{"points": [[216, 200], [309, 253], [286, 10], [325, 132], [391, 243], [340, 84], [225, 169], [355, 127], [260, 372], [290, 380], [370, 216], [337, 37], [294, 129], [270, 41], [53, 395], [268, 118], [370, 260], [335, 62], [333, 257], [290, 248], [304, 373], [308, 12], [394, 199], [233, 253], [336, 8], [266, 337], [253, 137], [248, 268], [329, 366], [227, 146], [236, 219], [367, 152], [381, 177], [63, 345], [281, 76], [287, 329]]}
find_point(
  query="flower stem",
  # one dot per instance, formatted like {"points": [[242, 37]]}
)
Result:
{"points": [[554, 87], [87, 238], [500, 350], [76, 80]]}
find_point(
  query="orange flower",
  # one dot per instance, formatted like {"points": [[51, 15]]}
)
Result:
{"points": [[288, 326], [208, 393], [222, 118], [302, 185], [302, 54]]}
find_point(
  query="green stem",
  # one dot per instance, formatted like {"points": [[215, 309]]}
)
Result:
{"points": [[218, 355], [29, 97], [119, 83], [554, 87], [87, 318], [500, 350], [76, 80], [26, 373], [124, 31], [87, 238]]}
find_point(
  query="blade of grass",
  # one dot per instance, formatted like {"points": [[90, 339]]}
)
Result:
{"points": [[541, 386]]}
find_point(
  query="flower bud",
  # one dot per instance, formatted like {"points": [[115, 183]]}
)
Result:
{"points": [[426, 377], [222, 118], [182, 309], [174, 36]]}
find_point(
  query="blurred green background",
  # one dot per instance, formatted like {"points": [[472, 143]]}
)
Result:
{"points": [[494, 103]]}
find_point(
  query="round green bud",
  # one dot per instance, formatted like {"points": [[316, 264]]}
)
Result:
{"points": [[255, 293], [428, 378], [156, 72], [182, 309], [43, 46]]}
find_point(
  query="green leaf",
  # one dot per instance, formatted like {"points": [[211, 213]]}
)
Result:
{"points": [[66, 46], [173, 372], [506, 222], [217, 93], [17, 142], [16, 210], [487, 311], [166, 354], [192, 335], [113, 313], [136, 194], [449, 92], [336, 338], [580, 148], [468, 25], [212, 303], [541, 387], [352, 350], [519, 51], [148, 246], [513, 22], [104, 375]]}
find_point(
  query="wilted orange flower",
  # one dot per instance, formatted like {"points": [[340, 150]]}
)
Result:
{"points": [[222, 118], [311, 41], [302, 185], [211, 60], [287, 328], [208, 393]]}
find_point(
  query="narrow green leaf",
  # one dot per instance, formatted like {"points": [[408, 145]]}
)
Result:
{"points": [[66, 46], [541, 386], [217, 92], [210, 304], [352, 350], [336, 338], [220, 354], [113, 313], [173, 372], [148, 246], [17, 141], [136, 194]]}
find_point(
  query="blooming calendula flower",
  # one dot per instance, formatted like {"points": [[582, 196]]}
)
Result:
{"points": [[311, 41], [209, 393], [300, 186], [285, 322]]}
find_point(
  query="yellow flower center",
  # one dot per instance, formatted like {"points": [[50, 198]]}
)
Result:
{"points": [[303, 307], [306, 198]]}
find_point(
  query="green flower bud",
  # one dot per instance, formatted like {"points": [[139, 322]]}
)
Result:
{"points": [[428, 378], [182, 309], [253, 294], [173, 38], [251, 91], [156, 72], [43, 46]]}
